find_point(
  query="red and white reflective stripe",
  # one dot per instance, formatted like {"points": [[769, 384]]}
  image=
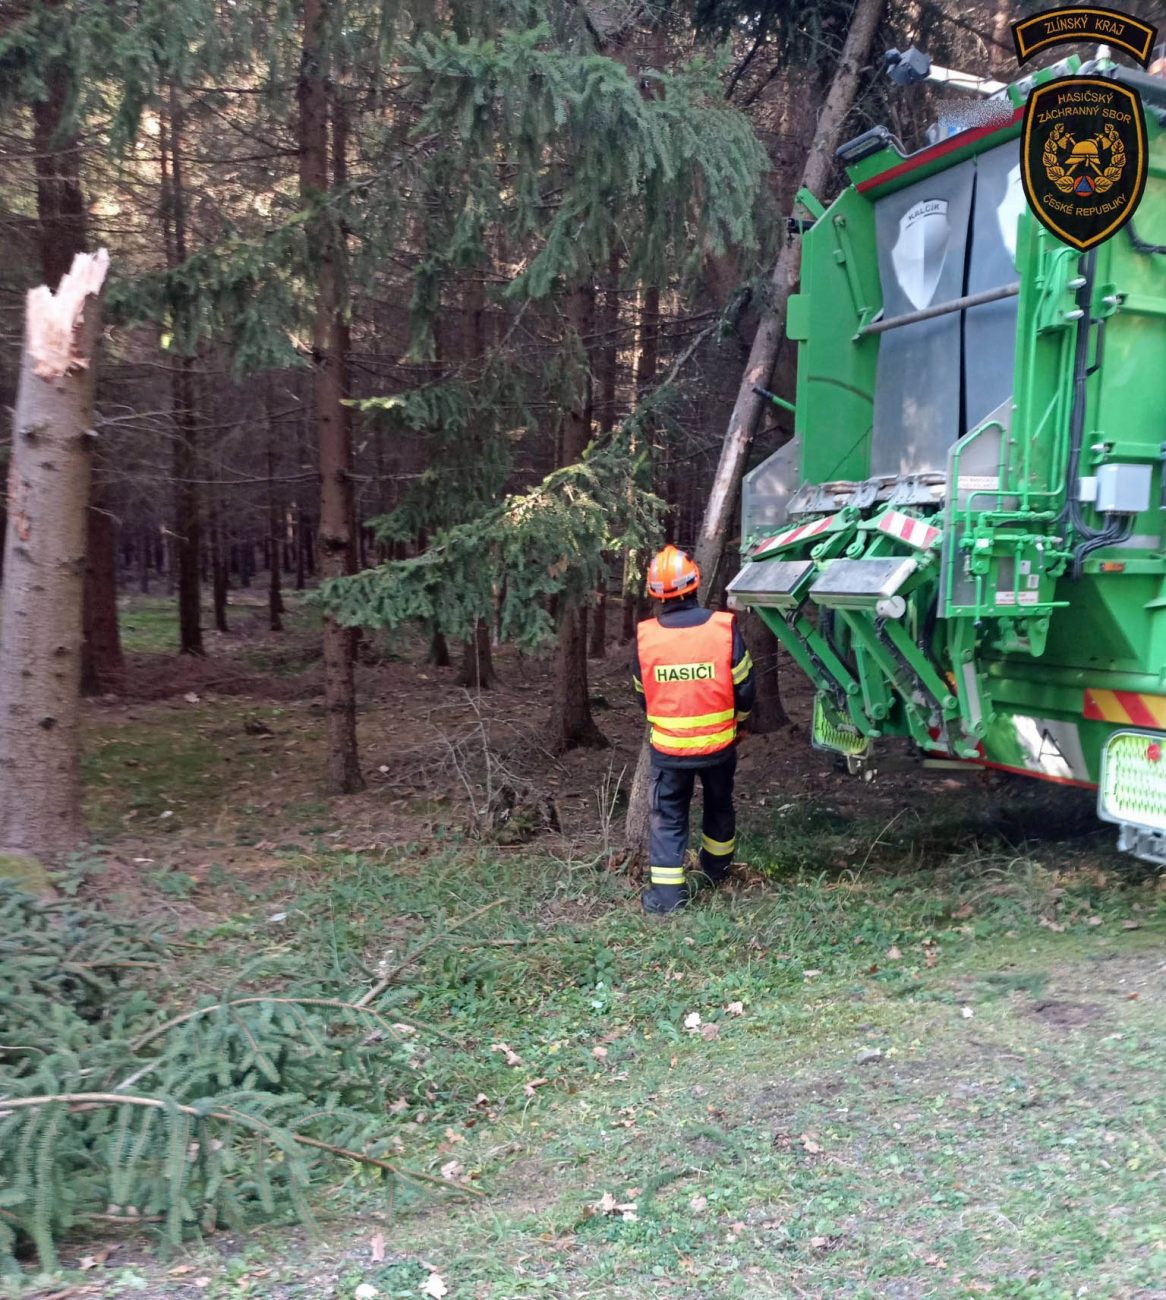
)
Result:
{"points": [[907, 529], [795, 534]]}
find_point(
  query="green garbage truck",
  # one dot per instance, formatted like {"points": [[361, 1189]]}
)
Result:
{"points": [[963, 544]]}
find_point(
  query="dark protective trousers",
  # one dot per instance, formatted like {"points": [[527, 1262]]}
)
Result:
{"points": [[671, 797]]}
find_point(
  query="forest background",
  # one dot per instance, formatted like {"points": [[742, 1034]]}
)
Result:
{"points": [[383, 274]]}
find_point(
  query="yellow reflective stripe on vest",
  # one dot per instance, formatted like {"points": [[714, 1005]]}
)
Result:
{"points": [[742, 670], [700, 720], [718, 848], [662, 740]]}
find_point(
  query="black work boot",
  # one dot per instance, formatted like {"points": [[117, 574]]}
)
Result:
{"points": [[716, 873], [660, 900]]}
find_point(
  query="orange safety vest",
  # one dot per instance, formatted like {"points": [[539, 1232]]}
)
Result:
{"points": [[687, 675]]}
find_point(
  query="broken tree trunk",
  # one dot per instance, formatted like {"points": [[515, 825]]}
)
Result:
{"points": [[747, 411], [44, 566]]}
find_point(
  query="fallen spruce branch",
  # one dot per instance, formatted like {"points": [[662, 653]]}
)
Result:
{"points": [[409, 958], [337, 1003], [80, 1101]]}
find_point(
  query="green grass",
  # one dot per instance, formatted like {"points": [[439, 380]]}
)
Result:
{"points": [[149, 625], [179, 764], [1001, 1135]]}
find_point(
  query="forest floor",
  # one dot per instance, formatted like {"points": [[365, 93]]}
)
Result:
{"points": [[916, 1049]]}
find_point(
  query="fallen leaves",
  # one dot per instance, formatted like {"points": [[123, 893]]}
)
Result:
{"points": [[735, 1008], [693, 1022], [452, 1170], [529, 1088], [809, 1145], [600, 1053], [698, 1204], [434, 1287], [894, 953], [512, 1057], [608, 1205]]}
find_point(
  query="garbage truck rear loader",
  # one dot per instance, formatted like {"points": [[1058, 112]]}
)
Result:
{"points": [[963, 544]]}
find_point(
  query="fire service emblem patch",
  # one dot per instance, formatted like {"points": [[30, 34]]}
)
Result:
{"points": [[1083, 157]]}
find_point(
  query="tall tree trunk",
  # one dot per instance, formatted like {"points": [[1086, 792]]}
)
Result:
{"points": [[477, 667], [63, 232], [218, 562], [60, 203], [607, 354], [477, 670], [647, 359], [768, 711], [147, 558], [185, 459], [274, 522], [102, 664], [748, 409], [40, 623], [326, 255], [571, 722], [597, 649]]}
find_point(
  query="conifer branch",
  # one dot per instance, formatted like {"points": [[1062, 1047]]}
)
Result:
{"points": [[338, 1003], [81, 1101], [410, 958]]}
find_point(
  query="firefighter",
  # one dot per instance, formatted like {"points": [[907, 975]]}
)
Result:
{"points": [[695, 675]]}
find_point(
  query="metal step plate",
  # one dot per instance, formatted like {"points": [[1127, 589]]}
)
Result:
{"points": [[776, 584], [861, 584]]}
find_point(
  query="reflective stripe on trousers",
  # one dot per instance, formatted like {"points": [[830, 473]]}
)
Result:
{"points": [[671, 798]]}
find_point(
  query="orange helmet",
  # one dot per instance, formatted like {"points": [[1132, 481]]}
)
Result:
{"points": [[672, 573]]}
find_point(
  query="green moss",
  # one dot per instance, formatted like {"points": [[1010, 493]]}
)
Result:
{"points": [[24, 871]]}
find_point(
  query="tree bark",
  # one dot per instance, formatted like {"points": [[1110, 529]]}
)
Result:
{"points": [[184, 462], [636, 824], [647, 359], [326, 254], [218, 563], [274, 521], [477, 670], [60, 202], [608, 348], [598, 647], [748, 409], [102, 663], [41, 620], [768, 711], [571, 722]]}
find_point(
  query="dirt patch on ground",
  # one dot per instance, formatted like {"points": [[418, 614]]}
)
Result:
{"points": [[1066, 1015]]}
